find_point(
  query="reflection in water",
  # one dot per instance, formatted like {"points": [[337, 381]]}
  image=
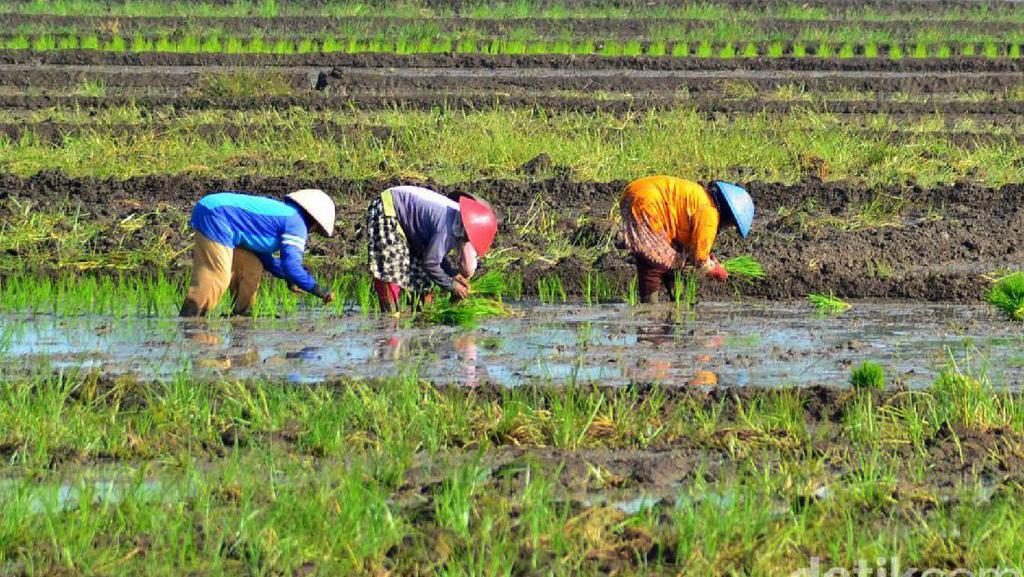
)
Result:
{"points": [[768, 344]]}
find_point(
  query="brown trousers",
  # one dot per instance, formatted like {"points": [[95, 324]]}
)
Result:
{"points": [[216, 268], [651, 278]]}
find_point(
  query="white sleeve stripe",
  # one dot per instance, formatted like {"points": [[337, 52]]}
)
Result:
{"points": [[298, 245], [293, 237]]}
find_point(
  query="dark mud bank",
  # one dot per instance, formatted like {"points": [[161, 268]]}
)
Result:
{"points": [[906, 242]]}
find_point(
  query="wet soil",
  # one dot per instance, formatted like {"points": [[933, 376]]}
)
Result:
{"points": [[56, 132], [942, 241]]}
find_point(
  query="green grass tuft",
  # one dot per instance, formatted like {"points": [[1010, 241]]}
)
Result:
{"points": [[1007, 295], [869, 375]]}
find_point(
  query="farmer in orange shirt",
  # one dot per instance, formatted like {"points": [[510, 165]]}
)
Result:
{"points": [[670, 222]]}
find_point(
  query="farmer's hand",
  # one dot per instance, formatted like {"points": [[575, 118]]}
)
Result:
{"points": [[295, 289], [717, 272], [324, 295], [461, 279], [460, 290]]}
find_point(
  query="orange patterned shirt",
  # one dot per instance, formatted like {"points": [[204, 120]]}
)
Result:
{"points": [[679, 212]]}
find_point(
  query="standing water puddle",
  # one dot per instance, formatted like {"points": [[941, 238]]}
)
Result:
{"points": [[733, 344]]}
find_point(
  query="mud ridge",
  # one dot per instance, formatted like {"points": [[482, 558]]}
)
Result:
{"points": [[994, 111], [940, 247]]}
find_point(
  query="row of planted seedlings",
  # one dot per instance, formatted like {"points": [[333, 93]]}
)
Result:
{"points": [[160, 296], [501, 46]]}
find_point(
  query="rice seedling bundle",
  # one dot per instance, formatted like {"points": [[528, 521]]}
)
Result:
{"points": [[1007, 295], [465, 312], [744, 266], [828, 304], [491, 283]]}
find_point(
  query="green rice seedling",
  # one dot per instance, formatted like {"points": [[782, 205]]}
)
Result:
{"points": [[68, 43], [705, 50], [20, 42], [331, 44], [632, 296], [141, 44], [611, 48], [776, 49], [969, 49], [1014, 51], [1007, 295], [633, 48], [828, 304], [466, 46], [744, 266], [750, 50], [895, 51], [681, 49], [91, 89], [90, 42], [43, 43], [211, 45], [990, 50], [367, 298], [727, 51], [846, 50], [491, 284], [824, 50], [868, 376], [164, 44], [943, 51], [799, 50], [550, 290], [656, 49], [871, 50], [920, 50], [465, 312]]}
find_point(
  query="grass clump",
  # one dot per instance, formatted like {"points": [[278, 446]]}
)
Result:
{"points": [[868, 376], [744, 266], [1007, 295], [828, 304]]}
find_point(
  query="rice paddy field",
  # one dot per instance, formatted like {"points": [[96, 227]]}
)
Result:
{"points": [[848, 403]]}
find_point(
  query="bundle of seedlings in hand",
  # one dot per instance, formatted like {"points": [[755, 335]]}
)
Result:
{"points": [[744, 266], [1007, 295], [484, 300], [491, 284], [446, 311], [828, 304]]}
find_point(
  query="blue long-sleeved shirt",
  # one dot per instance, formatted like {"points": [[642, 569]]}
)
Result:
{"points": [[262, 225]]}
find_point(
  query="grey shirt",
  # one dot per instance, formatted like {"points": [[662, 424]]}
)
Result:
{"points": [[428, 219]]}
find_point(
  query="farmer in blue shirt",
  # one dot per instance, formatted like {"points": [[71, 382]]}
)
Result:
{"points": [[235, 241]]}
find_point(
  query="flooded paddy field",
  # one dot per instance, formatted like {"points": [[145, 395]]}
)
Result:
{"points": [[729, 344], [744, 434]]}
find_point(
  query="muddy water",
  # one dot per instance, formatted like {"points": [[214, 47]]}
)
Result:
{"points": [[731, 344]]}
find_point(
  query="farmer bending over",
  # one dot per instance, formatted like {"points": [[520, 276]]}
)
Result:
{"points": [[409, 232], [668, 222], [236, 238]]}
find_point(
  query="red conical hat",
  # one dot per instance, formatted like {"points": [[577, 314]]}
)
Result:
{"points": [[479, 221]]}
